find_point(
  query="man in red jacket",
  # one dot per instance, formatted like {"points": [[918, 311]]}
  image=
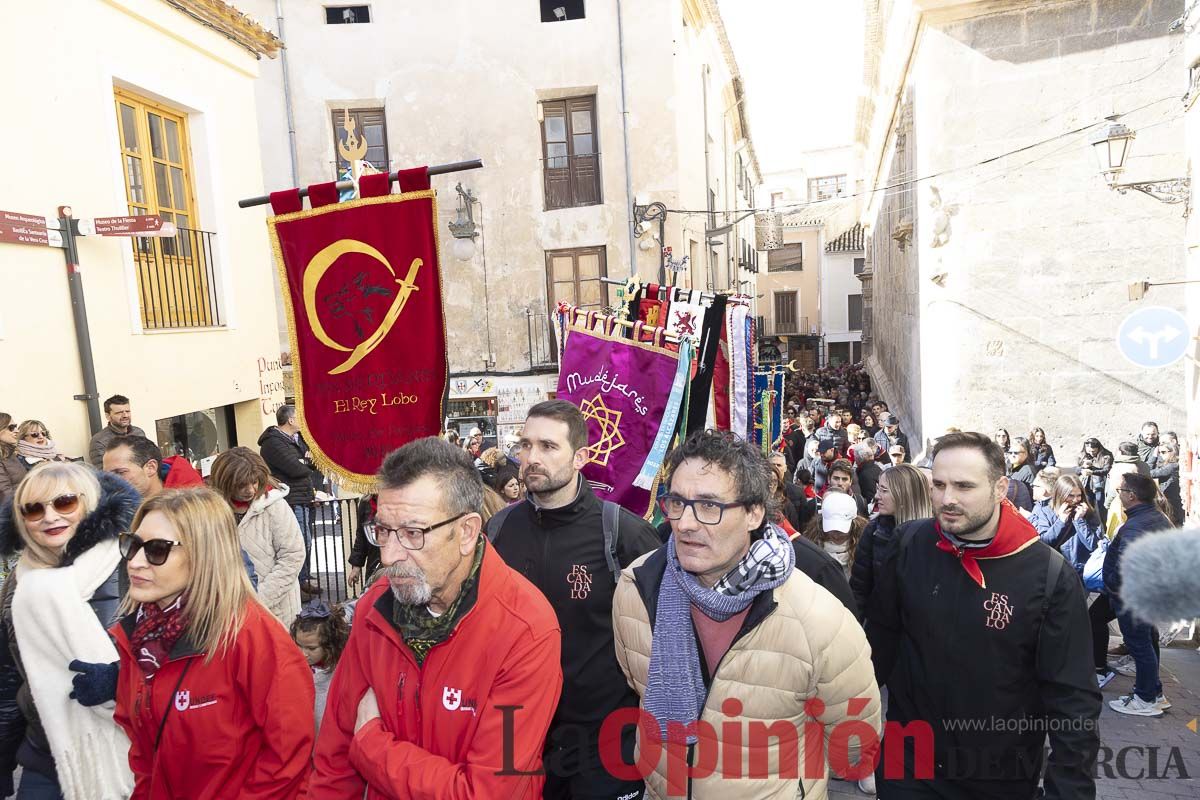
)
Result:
{"points": [[451, 675]]}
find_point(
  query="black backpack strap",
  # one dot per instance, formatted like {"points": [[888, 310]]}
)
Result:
{"points": [[496, 523], [611, 520], [1052, 569]]}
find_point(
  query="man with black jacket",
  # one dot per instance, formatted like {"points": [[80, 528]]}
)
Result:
{"points": [[556, 539], [286, 454], [980, 631]]}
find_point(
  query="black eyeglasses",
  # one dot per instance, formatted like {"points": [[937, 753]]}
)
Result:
{"points": [[63, 504], [410, 538], [707, 512], [157, 550]]}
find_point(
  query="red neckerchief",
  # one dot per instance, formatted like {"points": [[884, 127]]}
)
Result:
{"points": [[155, 634], [1014, 533]]}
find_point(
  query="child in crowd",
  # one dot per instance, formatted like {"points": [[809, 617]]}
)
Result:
{"points": [[321, 633]]}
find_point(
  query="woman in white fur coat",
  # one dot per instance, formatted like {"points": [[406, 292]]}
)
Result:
{"points": [[64, 519], [267, 527]]}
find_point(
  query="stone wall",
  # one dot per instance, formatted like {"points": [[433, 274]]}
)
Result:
{"points": [[1012, 293]]}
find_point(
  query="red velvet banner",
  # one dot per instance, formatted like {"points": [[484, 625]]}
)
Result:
{"points": [[363, 295]]}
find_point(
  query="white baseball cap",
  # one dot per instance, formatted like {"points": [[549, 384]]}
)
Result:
{"points": [[838, 511]]}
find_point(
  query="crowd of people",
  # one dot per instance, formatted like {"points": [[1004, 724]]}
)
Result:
{"points": [[519, 637]]}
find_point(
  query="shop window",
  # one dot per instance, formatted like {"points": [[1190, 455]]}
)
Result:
{"points": [[197, 435], [839, 353]]}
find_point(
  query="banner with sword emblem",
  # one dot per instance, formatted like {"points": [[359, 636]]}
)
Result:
{"points": [[363, 296]]}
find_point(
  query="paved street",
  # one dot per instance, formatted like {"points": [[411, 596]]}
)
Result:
{"points": [[1145, 742]]}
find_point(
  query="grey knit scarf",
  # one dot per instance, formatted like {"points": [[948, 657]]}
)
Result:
{"points": [[675, 689]]}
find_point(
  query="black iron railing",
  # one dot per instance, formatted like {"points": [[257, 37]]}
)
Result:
{"points": [[332, 527], [177, 280], [543, 352]]}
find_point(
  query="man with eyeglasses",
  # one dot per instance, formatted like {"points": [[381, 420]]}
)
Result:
{"points": [[720, 633], [120, 423], [451, 675], [1137, 494], [559, 538]]}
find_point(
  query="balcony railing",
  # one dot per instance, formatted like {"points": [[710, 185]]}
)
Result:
{"points": [[543, 352], [797, 327], [177, 281]]}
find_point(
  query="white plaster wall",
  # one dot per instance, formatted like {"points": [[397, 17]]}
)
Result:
{"points": [[838, 283]]}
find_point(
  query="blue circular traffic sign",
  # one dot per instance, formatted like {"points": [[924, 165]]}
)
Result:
{"points": [[1154, 336]]}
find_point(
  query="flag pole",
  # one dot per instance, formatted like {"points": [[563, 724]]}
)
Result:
{"points": [[439, 169]]}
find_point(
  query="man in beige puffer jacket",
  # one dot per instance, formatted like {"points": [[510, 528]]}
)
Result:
{"points": [[793, 657]]}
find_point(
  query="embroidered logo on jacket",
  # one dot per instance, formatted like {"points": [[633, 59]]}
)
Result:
{"points": [[581, 582], [183, 701], [999, 611], [452, 700]]}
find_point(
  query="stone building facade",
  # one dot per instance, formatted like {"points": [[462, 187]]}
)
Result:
{"points": [[654, 113], [998, 259]]}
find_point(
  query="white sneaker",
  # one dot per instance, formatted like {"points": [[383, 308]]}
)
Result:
{"points": [[1103, 678], [1162, 703], [1124, 666], [867, 785], [1132, 704]]}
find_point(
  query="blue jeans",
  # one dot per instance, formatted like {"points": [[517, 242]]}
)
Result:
{"points": [[304, 517], [36, 786], [1139, 638]]}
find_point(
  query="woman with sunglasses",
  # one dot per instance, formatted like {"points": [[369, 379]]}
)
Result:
{"points": [[214, 695], [1167, 475], [34, 444], [266, 526], [12, 468], [64, 520]]}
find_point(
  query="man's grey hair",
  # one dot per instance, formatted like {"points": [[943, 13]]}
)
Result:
{"points": [[285, 414], [864, 451], [460, 483]]}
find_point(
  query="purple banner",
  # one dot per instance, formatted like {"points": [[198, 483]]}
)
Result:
{"points": [[622, 388]]}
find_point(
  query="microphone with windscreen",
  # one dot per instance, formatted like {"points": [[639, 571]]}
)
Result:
{"points": [[1160, 576]]}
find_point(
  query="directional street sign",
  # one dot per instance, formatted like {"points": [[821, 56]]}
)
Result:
{"points": [[17, 228], [136, 225], [1154, 337]]}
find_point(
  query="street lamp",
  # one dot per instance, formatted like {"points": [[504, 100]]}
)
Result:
{"points": [[1112, 143], [463, 228]]}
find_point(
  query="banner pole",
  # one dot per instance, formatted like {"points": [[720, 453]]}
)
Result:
{"points": [[439, 169]]}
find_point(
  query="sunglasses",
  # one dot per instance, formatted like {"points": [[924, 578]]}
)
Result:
{"points": [[157, 550], [63, 504], [13, 427], [37, 435]]}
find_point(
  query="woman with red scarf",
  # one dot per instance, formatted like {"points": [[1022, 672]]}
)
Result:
{"points": [[214, 695]]}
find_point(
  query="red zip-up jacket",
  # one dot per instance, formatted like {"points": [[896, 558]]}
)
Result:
{"points": [[240, 726], [441, 731]]}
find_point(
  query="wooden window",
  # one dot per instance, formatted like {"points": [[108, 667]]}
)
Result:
{"points": [[789, 258], [561, 10], [570, 153], [573, 276], [347, 15], [785, 312], [176, 276], [854, 311], [826, 187], [370, 125]]}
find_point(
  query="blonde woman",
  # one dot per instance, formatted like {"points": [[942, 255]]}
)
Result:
{"points": [[64, 520], [266, 526], [34, 444], [901, 496], [214, 695]]}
